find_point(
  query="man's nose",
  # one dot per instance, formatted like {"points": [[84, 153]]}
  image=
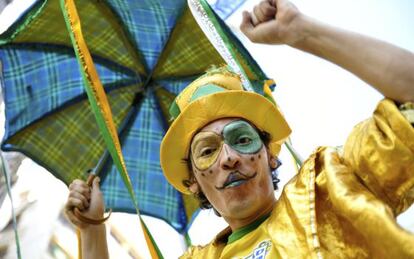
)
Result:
{"points": [[229, 158]]}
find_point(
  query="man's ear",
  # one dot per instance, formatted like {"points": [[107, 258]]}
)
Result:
{"points": [[194, 187], [273, 163]]}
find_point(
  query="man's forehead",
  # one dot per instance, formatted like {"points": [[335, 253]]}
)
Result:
{"points": [[218, 125]]}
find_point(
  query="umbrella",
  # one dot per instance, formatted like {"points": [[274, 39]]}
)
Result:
{"points": [[145, 52]]}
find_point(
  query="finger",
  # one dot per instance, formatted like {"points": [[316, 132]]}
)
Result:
{"points": [[254, 20], [246, 25], [80, 197], [268, 11], [82, 189], [75, 203], [257, 14], [263, 12], [77, 183]]}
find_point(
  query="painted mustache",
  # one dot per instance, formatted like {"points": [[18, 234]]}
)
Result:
{"points": [[236, 178]]}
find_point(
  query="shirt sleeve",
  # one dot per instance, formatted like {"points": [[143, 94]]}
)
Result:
{"points": [[381, 152]]}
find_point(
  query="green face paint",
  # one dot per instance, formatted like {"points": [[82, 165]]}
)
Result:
{"points": [[242, 137], [239, 135]]}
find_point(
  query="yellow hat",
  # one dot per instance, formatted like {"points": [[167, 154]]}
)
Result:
{"points": [[215, 95]]}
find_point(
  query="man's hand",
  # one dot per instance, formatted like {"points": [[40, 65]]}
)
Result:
{"points": [[88, 200], [272, 22]]}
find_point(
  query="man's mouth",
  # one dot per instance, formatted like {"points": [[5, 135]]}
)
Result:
{"points": [[235, 179]]}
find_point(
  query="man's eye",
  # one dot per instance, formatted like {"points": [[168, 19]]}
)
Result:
{"points": [[244, 141], [207, 151]]}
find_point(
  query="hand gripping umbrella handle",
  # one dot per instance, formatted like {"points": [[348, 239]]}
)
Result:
{"points": [[85, 219]]}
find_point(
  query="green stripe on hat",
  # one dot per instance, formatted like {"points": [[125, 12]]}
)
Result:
{"points": [[174, 110], [206, 90]]}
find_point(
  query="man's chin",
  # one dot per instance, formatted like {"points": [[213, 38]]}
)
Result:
{"points": [[240, 197]]}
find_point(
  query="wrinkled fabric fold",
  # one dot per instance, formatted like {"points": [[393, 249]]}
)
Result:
{"points": [[353, 195]]}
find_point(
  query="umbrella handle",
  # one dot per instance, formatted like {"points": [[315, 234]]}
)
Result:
{"points": [[87, 220]]}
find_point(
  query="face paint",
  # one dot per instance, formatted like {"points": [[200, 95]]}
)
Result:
{"points": [[205, 148], [239, 135], [242, 137]]}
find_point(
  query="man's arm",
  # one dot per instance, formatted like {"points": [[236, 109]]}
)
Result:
{"points": [[386, 67], [93, 242], [90, 202]]}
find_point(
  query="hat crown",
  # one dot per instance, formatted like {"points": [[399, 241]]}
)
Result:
{"points": [[213, 81]]}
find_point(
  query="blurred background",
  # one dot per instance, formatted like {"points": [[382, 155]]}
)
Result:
{"points": [[321, 102]]}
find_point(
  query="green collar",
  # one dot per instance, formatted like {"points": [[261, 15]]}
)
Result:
{"points": [[241, 232]]}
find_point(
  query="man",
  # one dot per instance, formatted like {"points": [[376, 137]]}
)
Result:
{"points": [[223, 146]]}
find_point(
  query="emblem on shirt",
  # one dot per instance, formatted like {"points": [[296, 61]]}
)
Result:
{"points": [[260, 251]]}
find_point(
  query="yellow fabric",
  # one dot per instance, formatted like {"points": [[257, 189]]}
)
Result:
{"points": [[341, 205]]}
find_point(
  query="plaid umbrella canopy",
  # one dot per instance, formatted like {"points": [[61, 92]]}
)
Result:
{"points": [[145, 52]]}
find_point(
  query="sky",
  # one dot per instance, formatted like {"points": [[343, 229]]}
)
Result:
{"points": [[321, 101]]}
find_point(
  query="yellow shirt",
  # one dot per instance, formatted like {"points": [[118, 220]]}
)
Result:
{"points": [[341, 204]]}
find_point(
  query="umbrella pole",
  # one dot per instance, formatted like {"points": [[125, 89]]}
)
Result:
{"points": [[121, 130]]}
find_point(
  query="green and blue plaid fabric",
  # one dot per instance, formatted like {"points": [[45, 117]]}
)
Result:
{"points": [[148, 24], [41, 78], [47, 112]]}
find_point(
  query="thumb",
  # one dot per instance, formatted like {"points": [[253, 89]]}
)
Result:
{"points": [[96, 196], [96, 183], [246, 25], [96, 187]]}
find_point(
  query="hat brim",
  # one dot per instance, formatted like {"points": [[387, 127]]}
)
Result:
{"points": [[250, 106]]}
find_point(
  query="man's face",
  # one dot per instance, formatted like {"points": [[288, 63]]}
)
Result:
{"points": [[232, 167]]}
